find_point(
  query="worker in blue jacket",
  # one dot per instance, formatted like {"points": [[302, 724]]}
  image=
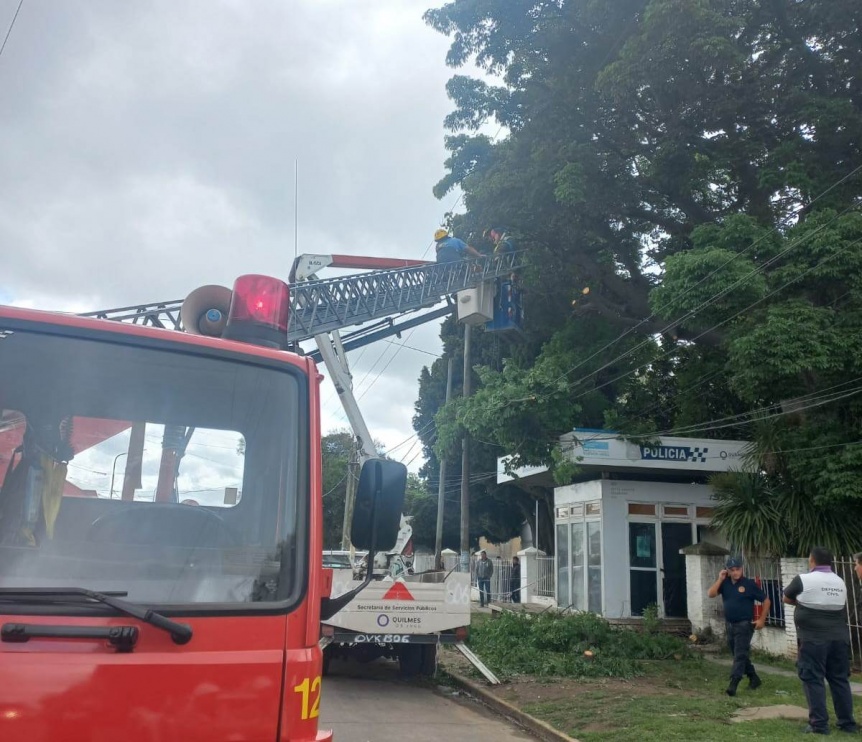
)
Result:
{"points": [[451, 249]]}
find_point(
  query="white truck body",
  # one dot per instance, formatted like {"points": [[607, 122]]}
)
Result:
{"points": [[429, 603]]}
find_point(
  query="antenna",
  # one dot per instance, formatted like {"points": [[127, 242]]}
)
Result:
{"points": [[295, 209]]}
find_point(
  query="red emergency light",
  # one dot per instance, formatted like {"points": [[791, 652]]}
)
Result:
{"points": [[259, 310]]}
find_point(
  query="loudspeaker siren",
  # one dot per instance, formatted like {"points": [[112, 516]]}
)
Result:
{"points": [[205, 310]]}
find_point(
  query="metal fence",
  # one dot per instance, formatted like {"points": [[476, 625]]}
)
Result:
{"points": [[501, 581], [767, 572], [844, 568], [424, 563], [546, 587]]}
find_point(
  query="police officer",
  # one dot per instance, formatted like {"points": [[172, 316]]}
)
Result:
{"points": [[738, 594], [820, 597]]}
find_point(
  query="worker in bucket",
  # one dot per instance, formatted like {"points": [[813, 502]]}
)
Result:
{"points": [[451, 249], [502, 242], [739, 594]]}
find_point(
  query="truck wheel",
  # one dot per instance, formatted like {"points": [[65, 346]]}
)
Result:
{"points": [[429, 660], [410, 660]]}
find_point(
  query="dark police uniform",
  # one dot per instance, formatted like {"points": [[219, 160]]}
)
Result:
{"points": [[739, 600], [824, 646]]}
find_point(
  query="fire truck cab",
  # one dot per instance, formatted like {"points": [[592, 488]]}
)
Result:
{"points": [[161, 574]]}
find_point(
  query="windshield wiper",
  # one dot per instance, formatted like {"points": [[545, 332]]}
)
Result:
{"points": [[181, 633]]}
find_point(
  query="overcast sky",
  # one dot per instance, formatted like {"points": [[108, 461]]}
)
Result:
{"points": [[149, 148]]}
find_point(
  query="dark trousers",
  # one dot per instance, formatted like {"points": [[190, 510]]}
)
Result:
{"points": [[484, 590], [515, 589], [826, 660], [739, 641]]}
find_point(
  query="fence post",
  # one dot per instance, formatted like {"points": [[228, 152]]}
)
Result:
{"points": [[703, 562], [529, 573], [790, 567]]}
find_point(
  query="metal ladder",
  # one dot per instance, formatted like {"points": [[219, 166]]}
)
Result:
{"points": [[318, 307]]}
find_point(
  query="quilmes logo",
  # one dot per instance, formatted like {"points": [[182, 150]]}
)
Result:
{"points": [[674, 453]]}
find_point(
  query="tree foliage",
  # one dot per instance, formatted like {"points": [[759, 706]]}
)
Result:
{"points": [[685, 175], [336, 449]]}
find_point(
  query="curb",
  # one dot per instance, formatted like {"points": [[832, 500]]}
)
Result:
{"points": [[540, 729]]}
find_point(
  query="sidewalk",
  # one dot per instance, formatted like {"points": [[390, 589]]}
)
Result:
{"points": [[767, 670]]}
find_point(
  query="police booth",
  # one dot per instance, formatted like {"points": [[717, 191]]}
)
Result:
{"points": [[620, 525]]}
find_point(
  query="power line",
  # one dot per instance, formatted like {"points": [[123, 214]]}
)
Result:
{"points": [[691, 313], [817, 399], [718, 295], [705, 332], [410, 347], [11, 26]]}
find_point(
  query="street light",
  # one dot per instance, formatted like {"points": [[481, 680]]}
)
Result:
{"points": [[114, 470]]}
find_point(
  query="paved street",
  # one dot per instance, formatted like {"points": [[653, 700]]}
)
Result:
{"points": [[369, 703]]}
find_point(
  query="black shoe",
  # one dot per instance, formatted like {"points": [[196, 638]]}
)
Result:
{"points": [[853, 729], [813, 730], [731, 688], [754, 681]]}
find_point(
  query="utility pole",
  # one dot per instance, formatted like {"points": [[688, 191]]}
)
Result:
{"points": [[465, 462], [441, 486], [350, 498]]}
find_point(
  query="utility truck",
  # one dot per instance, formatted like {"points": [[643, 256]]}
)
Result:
{"points": [[402, 614]]}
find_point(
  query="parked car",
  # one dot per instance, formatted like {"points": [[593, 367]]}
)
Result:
{"points": [[337, 560]]}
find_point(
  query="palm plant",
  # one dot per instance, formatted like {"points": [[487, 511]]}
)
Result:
{"points": [[763, 515], [748, 512]]}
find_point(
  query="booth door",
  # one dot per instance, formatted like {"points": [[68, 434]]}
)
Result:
{"points": [[643, 566], [674, 536]]}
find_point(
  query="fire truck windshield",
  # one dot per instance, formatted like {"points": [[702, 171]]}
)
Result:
{"points": [[167, 474]]}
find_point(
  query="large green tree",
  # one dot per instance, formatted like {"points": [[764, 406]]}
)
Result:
{"points": [[685, 176]]}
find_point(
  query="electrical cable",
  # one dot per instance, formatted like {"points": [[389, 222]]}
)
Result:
{"points": [[720, 324], [11, 26]]}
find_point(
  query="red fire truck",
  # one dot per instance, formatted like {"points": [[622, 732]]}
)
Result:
{"points": [[182, 598]]}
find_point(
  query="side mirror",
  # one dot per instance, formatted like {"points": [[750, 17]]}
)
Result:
{"points": [[376, 520], [378, 505]]}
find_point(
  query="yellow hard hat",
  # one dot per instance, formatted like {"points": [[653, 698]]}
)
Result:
{"points": [[441, 233]]}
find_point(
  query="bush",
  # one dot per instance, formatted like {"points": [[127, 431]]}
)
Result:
{"points": [[578, 645]]}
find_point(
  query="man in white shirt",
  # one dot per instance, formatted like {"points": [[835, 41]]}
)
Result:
{"points": [[820, 598]]}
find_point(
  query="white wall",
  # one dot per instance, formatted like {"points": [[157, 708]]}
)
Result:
{"points": [[615, 496], [578, 492]]}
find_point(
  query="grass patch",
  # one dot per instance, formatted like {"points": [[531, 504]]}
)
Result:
{"points": [[672, 700], [573, 646], [759, 657], [635, 686]]}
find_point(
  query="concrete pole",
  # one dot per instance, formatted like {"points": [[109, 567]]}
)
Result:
{"points": [[350, 497], [441, 487], [465, 462]]}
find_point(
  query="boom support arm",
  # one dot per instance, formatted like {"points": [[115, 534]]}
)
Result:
{"points": [[335, 359]]}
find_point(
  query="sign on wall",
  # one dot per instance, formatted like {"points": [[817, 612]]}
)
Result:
{"points": [[605, 450]]}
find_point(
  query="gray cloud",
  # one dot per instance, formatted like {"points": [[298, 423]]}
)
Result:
{"points": [[149, 148]]}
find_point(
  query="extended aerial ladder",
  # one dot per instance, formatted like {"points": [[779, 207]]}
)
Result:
{"points": [[321, 306]]}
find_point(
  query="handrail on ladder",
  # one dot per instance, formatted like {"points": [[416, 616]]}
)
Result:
{"points": [[335, 303]]}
